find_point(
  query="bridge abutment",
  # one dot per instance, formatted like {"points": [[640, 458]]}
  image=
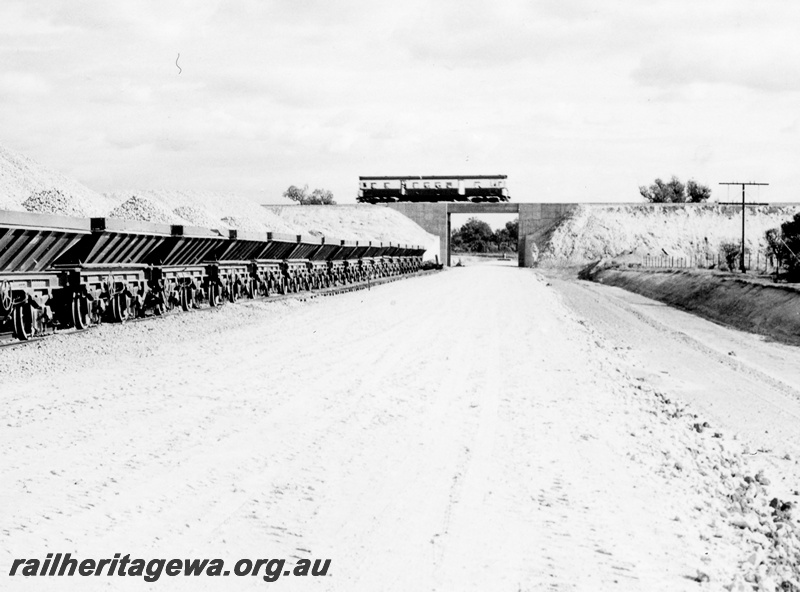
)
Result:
{"points": [[536, 222]]}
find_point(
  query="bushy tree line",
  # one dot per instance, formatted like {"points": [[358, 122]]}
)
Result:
{"points": [[784, 244], [304, 198], [674, 191], [476, 236]]}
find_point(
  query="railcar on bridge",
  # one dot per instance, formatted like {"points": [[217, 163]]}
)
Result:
{"points": [[475, 188]]}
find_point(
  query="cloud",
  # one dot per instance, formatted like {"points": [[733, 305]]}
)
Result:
{"points": [[559, 95], [22, 85], [770, 69]]}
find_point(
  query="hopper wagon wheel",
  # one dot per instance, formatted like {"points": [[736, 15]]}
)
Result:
{"points": [[163, 304], [23, 321], [81, 312], [214, 294], [120, 307], [250, 288], [137, 306], [160, 307], [6, 301], [169, 302], [234, 290], [186, 298], [198, 294]]}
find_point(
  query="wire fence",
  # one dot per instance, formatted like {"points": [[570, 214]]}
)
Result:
{"points": [[759, 263]]}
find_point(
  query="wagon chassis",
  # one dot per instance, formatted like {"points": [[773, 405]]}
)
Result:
{"points": [[70, 273]]}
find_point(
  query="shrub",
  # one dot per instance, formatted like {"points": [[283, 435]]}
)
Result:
{"points": [[731, 252], [790, 235]]}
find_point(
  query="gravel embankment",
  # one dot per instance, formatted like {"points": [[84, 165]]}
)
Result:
{"points": [[749, 304], [593, 232]]}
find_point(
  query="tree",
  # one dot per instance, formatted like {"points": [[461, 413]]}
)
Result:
{"points": [[321, 197], [507, 238], [790, 235], [316, 197], [296, 194], [697, 193], [660, 192], [475, 236], [775, 246], [731, 251]]}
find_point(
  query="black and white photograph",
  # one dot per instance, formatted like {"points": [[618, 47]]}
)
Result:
{"points": [[450, 296]]}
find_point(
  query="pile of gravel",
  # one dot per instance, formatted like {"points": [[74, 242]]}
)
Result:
{"points": [[144, 210], [242, 223], [356, 222], [214, 210], [199, 217], [54, 201], [22, 178]]}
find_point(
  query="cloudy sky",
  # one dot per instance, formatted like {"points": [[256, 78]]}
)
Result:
{"points": [[575, 100]]}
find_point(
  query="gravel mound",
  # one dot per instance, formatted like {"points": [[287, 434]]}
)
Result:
{"points": [[22, 179], [591, 232], [198, 217], [209, 209], [54, 201], [144, 210], [361, 222], [244, 224]]}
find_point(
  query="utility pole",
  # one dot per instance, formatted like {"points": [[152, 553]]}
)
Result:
{"points": [[730, 203]]}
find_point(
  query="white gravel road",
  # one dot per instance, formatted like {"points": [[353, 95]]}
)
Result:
{"points": [[461, 431]]}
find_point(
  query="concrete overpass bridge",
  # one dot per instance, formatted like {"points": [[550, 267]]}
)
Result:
{"points": [[536, 221]]}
